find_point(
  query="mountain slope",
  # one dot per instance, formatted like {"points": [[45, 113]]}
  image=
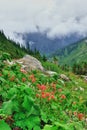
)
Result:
{"points": [[10, 47], [74, 53]]}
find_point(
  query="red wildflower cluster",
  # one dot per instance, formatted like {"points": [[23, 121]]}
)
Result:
{"points": [[80, 116], [23, 79], [32, 78], [23, 71], [41, 87], [60, 90], [44, 94], [63, 96], [12, 78]]}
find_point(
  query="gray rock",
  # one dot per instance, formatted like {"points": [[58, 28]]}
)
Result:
{"points": [[50, 73], [30, 63], [84, 76], [64, 77]]}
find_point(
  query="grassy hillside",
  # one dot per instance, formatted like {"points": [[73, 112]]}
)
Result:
{"points": [[74, 53], [10, 47]]}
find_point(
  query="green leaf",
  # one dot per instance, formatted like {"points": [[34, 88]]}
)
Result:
{"points": [[12, 92], [61, 81], [32, 122], [28, 103], [44, 116], [34, 119], [2, 80], [62, 126], [51, 127], [7, 107], [33, 111], [4, 125], [28, 90], [36, 128], [5, 72], [77, 125]]}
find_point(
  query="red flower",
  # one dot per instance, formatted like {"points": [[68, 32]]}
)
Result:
{"points": [[80, 116], [23, 71], [52, 96], [23, 79], [59, 90], [32, 76], [0, 74], [33, 80], [49, 99], [75, 113], [41, 87], [47, 94], [63, 96], [12, 78], [43, 96], [37, 95]]}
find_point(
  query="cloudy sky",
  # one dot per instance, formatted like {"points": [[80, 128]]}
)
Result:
{"points": [[57, 17]]}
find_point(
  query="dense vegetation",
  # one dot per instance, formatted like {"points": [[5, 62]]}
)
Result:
{"points": [[34, 101], [80, 68]]}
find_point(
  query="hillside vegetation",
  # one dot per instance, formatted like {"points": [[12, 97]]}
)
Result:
{"points": [[14, 49], [74, 53], [35, 101], [9, 46]]}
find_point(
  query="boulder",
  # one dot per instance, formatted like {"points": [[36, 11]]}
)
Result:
{"points": [[64, 77], [30, 63]]}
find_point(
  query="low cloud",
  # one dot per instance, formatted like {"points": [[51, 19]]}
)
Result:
{"points": [[57, 17]]}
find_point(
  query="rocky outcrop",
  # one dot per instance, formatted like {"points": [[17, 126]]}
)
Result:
{"points": [[30, 63]]}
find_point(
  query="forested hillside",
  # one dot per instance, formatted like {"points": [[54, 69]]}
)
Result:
{"points": [[74, 53], [9, 46]]}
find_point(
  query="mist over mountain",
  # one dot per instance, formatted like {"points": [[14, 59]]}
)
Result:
{"points": [[58, 18], [46, 45]]}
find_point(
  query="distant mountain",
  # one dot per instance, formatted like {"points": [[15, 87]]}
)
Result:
{"points": [[9, 46], [45, 45], [74, 53]]}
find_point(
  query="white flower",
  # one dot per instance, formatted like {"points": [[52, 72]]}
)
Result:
{"points": [[82, 89]]}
